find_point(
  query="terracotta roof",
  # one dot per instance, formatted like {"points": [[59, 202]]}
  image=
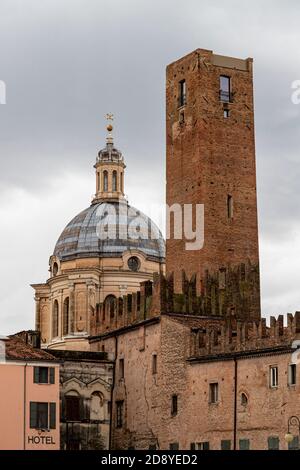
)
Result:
{"points": [[18, 350]]}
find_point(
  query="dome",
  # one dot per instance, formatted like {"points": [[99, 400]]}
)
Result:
{"points": [[108, 229], [110, 154]]}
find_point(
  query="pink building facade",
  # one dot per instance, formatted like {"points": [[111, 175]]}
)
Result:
{"points": [[29, 390]]}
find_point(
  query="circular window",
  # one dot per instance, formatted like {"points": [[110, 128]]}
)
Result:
{"points": [[134, 263]]}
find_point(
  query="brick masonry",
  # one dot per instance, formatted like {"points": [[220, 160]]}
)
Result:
{"points": [[209, 158]]}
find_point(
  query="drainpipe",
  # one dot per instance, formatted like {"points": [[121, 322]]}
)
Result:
{"points": [[24, 436], [235, 404], [112, 395]]}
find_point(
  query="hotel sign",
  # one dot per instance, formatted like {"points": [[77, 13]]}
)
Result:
{"points": [[45, 440]]}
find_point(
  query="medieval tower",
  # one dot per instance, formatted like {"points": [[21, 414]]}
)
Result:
{"points": [[211, 161]]}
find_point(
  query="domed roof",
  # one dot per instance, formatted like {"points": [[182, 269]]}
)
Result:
{"points": [[108, 229], [110, 154]]}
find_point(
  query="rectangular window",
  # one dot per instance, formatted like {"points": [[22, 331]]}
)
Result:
{"points": [[226, 113], [244, 444], [273, 443], [43, 375], [72, 408], [225, 89], [202, 446], [273, 376], [229, 206], [292, 374], [225, 445], [109, 408], [120, 406], [42, 415], [182, 93], [213, 393], [174, 406], [294, 445], [174, 446], [154, 364], [121, 369]]}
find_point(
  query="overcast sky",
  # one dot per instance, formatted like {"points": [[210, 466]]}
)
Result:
{"points": [[66, 63]]}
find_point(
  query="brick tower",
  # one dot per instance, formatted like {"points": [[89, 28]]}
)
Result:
{"points": [[211, 161]]}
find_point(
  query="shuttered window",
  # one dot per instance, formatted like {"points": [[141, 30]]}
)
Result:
{"points": [[273, 443], [44, 375], [39, 415]]}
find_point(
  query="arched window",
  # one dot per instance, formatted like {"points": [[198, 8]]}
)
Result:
{"points": [[98, 181], [97, 406], [109, 306], [55, 269], [122, 182], [105, 181], [72, 406], [244, 399], [114, 181], [55, 320], [66, 316]]}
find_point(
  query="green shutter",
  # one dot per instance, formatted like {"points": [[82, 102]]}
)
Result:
{"points": [[225, 445], [33, 415], [52, 375], [193, 446], [273, 443], [205, 445], [52, 415], [244, 444], [36, 378]]}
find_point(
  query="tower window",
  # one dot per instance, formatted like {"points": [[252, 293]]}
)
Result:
{"points": [[182, 93], [174, 407], [114, 181], [273, 376], [213, 393], [225, 89], [226, 113], [105, 181], [229, 207]]}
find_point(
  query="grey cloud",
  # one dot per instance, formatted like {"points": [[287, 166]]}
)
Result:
{"points": [[66, 63]]}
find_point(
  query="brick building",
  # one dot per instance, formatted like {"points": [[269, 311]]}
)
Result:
{"points": [[195, 365]]}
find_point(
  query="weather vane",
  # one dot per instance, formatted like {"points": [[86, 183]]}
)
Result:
{"points": [[109, 127]]}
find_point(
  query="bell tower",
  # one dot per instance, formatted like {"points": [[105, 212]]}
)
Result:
{"points": [[110, 169]]}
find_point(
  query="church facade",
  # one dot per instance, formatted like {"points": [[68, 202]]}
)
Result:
{"points": [[194, 364]]}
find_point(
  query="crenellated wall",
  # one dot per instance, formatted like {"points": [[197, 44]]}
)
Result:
{"points": [[236, 336], [228, 293]]}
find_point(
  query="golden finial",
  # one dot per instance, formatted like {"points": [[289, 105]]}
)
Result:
{"points": [[109, 127]]}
